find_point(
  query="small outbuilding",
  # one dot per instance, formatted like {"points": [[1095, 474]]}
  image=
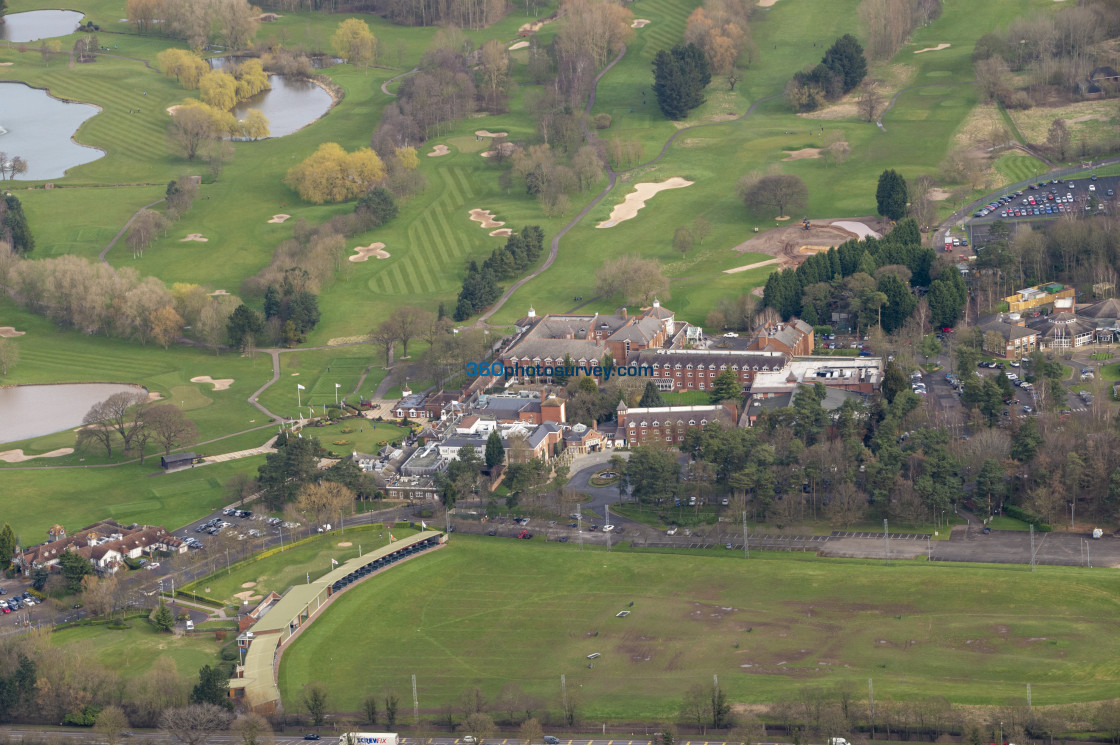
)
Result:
{"points": [[177, 460]]}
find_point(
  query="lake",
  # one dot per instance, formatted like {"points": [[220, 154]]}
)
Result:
{"points": [[39, 24], [37, 410], [39, 129], [290, 105]]}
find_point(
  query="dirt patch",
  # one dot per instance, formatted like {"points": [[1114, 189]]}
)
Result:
{"points": [[247, 585], [766, 3], [488, 133], [220, 384], [815, 249], [8, 332], [17, 455], [639, 23], [856, 227], [937, 48], [506, 149], [786, 242], [534, 27], [439, 150], [893, 78], [937, 194], [518, 45], [194, 237], [345, 544], [803, 153], [635, 200], [377, 250], [748, 267], [248, 596], [279, 218], [502, 233], [485, 218]]}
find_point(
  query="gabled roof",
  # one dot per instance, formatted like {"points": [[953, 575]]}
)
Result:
{"points": [[1109, 309]]}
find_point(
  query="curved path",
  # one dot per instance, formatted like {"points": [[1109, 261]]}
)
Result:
{"points": [[123, 230], [612, 178], [384, 86]]}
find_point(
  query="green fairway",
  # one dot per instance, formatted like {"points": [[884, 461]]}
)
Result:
{"points": [[139, 649], [496, 611], [282, 569], [1016, 167]]}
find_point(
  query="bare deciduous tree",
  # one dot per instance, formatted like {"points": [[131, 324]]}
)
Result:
{"points": [[194, 724], [782, 192]]}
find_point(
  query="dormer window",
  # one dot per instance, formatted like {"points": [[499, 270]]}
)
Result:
{"points": [[656, 423], [703, 422], [689, 366]]}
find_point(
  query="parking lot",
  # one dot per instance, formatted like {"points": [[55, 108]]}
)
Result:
{"points": [[1045, 201]]}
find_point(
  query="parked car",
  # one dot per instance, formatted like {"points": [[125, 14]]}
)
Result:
{"points": [[671, 531], [311, 736], [526, 535], [491, 532], [550, 740], [608, 528]]}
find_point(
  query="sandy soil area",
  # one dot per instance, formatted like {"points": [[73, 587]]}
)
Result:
{"points": [[194, 237], [7, 332], [532, 28], [507, 149], [937, 195], [215, 293], [248, 596], [639, 23], [937, 48], [858, 228], [439, 150], [485, 218], [488, 133], [345, 544], [247, 585], [518, 45], [501, 233], [17, 456], [807, 152], [791, 244], [279, 218], [6, 64], [220, 384], [766, 3], [636, 199], [173, 109], [377, 250], [748, 267]]}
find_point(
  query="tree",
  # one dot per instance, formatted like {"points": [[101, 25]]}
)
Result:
{"points": [[331, 174], [531, 732], [244, 327], [636, 279], [111, 722], [653, 474], [894, 381], [162, 618], [194, 724], [9, 355], [869, 101], [392, 702], [651, 396], [314, 699], [74, 567], [726, 387], [495, 452], [191, 127], [376, 206], [1025, 443], [13, 226], [680, 76], [845, 59], [369, 706], [891, 195], [783, 192], [1059, 137], [480, 725], [253, 729], [405, 323], [701, 229], [682, 240], [285, 471], [255, 125], [7, 546], [212, 688], [354, 42], [167, 325], [169, 426], [696, 707], [721, 708], [322, 501]]}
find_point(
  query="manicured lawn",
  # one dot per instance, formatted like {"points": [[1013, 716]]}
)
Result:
{"points": [[686, 398], [1015, 167], [763, 627], [278, 572], [367, 436], [139, 649]]}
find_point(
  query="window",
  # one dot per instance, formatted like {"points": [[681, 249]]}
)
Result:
{"points": [[701, 386], [668, 438], [692, 422], [703, 422], [690, 384], [655, 423]]}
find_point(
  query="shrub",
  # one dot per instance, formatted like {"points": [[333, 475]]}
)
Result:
{"points": [[602, 121]]}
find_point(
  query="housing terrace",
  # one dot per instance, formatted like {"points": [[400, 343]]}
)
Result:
{"points": [[106, 544], [669, 423], [696, 369]]}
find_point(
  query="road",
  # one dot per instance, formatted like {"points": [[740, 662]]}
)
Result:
{"points": [[84, 735]]}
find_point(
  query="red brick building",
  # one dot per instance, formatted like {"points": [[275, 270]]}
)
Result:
{"points": [[668, 424], [696, 369], [793, 338]]}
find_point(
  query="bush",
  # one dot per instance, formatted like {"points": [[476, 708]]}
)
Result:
{"points": [[602, 121], [1020, 514]]}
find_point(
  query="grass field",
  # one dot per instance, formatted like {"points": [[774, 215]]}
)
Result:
{"points": [[281, 570], [1016, 167], [138, 649], [767, 628]]}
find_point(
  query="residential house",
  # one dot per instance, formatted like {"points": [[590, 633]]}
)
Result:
{"points": [[793, 338], [107, 544]]}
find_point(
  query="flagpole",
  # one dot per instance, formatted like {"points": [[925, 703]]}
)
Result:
{"points": [[299, 400]]}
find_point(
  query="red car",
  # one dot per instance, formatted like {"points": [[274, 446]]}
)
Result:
{"points": [[525, 534]]}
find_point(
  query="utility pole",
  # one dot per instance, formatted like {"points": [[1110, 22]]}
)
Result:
{"points": [[447, 523], [886, 544], [746, 544], [579, 526], [415, 702], [1029, 708], [564, 692]]}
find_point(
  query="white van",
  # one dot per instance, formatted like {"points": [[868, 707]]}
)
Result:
{"points": [[190, 625]]}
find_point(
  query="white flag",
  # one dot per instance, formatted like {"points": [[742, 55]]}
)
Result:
{"points": [[334, 561], [337, 385], [423, 525], [300, 387]]}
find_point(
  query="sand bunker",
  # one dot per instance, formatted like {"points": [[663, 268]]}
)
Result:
{"points": [[7, 332], [279, 218], [748, 267], [5, 64], [346, 544], [174, 109], [766, 3], [639, 23], [488, 133], [501, 233], [815, 249], [220, 384], [808, 152], [247, 585], [532, 28], [518, 45], [376, 250], [247, 596], [937, 48], [937, 195], [216, 293], [856, 227], [485, 218], [17, 456], [439, 150], [635, 200], [155, 396], [505, 147], [194, 237]]}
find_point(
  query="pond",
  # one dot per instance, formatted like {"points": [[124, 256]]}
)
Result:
{"points": [[37, 410], [39, 24], [290, 105], [39, 129]]}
